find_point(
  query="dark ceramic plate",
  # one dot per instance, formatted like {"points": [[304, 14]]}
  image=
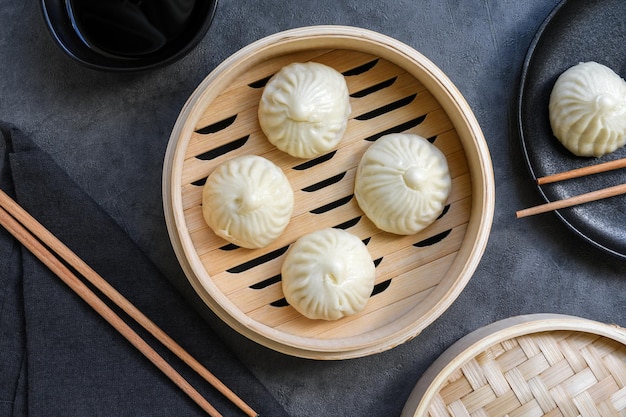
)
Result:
{"points": [[575, 31], [59, 25]]}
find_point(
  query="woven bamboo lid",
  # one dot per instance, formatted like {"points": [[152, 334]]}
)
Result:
{"points": [[393, 88], [535, 365]]}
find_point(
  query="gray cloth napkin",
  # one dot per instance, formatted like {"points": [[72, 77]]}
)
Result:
{"points": [[57, 356]]}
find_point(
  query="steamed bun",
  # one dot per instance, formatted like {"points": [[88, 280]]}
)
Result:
{"points": [[402, 183], [587, 109], [248, 201], [304, 109], [328, 274]]}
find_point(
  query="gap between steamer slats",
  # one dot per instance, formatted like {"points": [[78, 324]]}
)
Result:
{"points": [[247, 126], [241, 112], [217, 260], [237, 96], [383, 246]]}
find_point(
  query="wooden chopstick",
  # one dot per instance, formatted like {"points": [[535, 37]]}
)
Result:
{"points": [[579, 199], [572, 201], [21, 224], [579, 172]]}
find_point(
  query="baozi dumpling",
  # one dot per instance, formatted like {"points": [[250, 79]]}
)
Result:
{"points": [[328, 274], [402, 183], [248, 201], [304, 109], [588, 109]]}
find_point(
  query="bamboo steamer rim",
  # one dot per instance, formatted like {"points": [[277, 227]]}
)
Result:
{"points": [[478, 341], [452, 102]]}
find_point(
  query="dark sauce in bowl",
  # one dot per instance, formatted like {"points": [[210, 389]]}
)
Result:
{"points": [[129, 27], [127, 35]]}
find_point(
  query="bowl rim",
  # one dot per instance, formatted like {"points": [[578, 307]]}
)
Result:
{"points": [[113, 64], [483, 193]]}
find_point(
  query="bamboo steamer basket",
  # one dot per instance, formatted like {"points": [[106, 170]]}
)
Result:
{"points": [[534, 365], [393, 89]]}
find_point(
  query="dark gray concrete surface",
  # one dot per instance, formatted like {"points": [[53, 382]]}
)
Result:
{"points": [[110, 131]]}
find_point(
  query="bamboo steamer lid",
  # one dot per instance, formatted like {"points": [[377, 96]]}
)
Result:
{"points": [[393, 88], [534, 365]]}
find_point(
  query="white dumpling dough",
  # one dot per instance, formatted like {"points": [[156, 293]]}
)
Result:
{"points": [[328, 274], [588, 109], [304, 109], [248, 201], [402, 183]]}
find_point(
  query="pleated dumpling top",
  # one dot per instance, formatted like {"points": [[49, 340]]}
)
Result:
{"points": [[588, 109], [304, 109], [402, 183], [247, 201], [328, 274]]}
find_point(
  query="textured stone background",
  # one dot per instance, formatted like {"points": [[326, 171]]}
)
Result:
{"points": [[109, 132]]}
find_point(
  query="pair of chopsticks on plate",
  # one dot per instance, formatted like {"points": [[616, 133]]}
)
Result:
{"points": [[42, 243], [582, 198]]}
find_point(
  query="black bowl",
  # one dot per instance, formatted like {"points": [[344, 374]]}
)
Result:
{"points": [[61, 27]]}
